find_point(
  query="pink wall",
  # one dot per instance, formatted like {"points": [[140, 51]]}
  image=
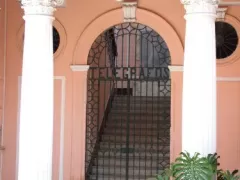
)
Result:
{"points": [[79, 24], [228, 93], [2, 57], [228, 124], [2, 64]]}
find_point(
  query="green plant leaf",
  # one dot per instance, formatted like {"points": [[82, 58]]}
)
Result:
{"points": [[187, 167], [194, 167], [213, 161], [227, 175]]}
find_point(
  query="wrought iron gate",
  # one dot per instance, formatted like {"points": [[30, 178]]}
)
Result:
{"points": [[128, 107]]}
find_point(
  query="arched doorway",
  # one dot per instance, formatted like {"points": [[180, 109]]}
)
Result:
{"points": [[128, 104]]}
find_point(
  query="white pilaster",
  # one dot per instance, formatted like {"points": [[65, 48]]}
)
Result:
{"points": [[36, 106], [199, 79]]}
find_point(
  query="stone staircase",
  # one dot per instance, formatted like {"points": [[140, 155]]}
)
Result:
{"points": [[135, 143]]}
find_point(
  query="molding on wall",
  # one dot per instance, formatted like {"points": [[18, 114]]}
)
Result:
{"points": [[228, 79], [79, 67], [176, 68], [62, 123], [233, 3], [219, 79]]}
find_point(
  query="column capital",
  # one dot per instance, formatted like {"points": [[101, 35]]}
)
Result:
{"points": [[40, 7], [200, 6]]}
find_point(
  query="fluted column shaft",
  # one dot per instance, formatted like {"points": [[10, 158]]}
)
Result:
{"points": [[36, 107], [199, 79]]}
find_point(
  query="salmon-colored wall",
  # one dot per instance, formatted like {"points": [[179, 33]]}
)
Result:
{"points": [[2, 55], [176, 114], [2, 66], [228, 93], [228, 124], [79, 24]]}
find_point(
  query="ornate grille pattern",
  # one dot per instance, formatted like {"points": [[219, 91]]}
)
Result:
{"points": [[128, 105]]}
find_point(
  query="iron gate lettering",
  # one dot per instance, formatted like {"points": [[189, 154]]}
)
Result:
{"points": [[108, 73]]}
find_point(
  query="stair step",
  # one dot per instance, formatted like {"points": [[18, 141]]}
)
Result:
{"points": [[142, 110], [138, 105], [139, 118], [137, 162], [121, 171], [133, 153], [148, 142], [138, 132], [141, 114], [117, 177], [136, 139], [141, 126], [159, 121], [144, 156], [139, 122], [144, 146], [141, 102], [149, 98]]}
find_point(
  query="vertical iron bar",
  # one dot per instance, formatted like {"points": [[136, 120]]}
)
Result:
{"points": [[127, 101], [127, 134], [153, 113], [115, 129], [146, 114], [129, 47], [129, 94], [103, 83], [122, 103], [104, 106], [97, 130], [140, 102], [134, 110], [158, 121]]}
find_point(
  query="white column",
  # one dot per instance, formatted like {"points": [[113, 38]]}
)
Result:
{"points": [[199, 79], [36, 107]]}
